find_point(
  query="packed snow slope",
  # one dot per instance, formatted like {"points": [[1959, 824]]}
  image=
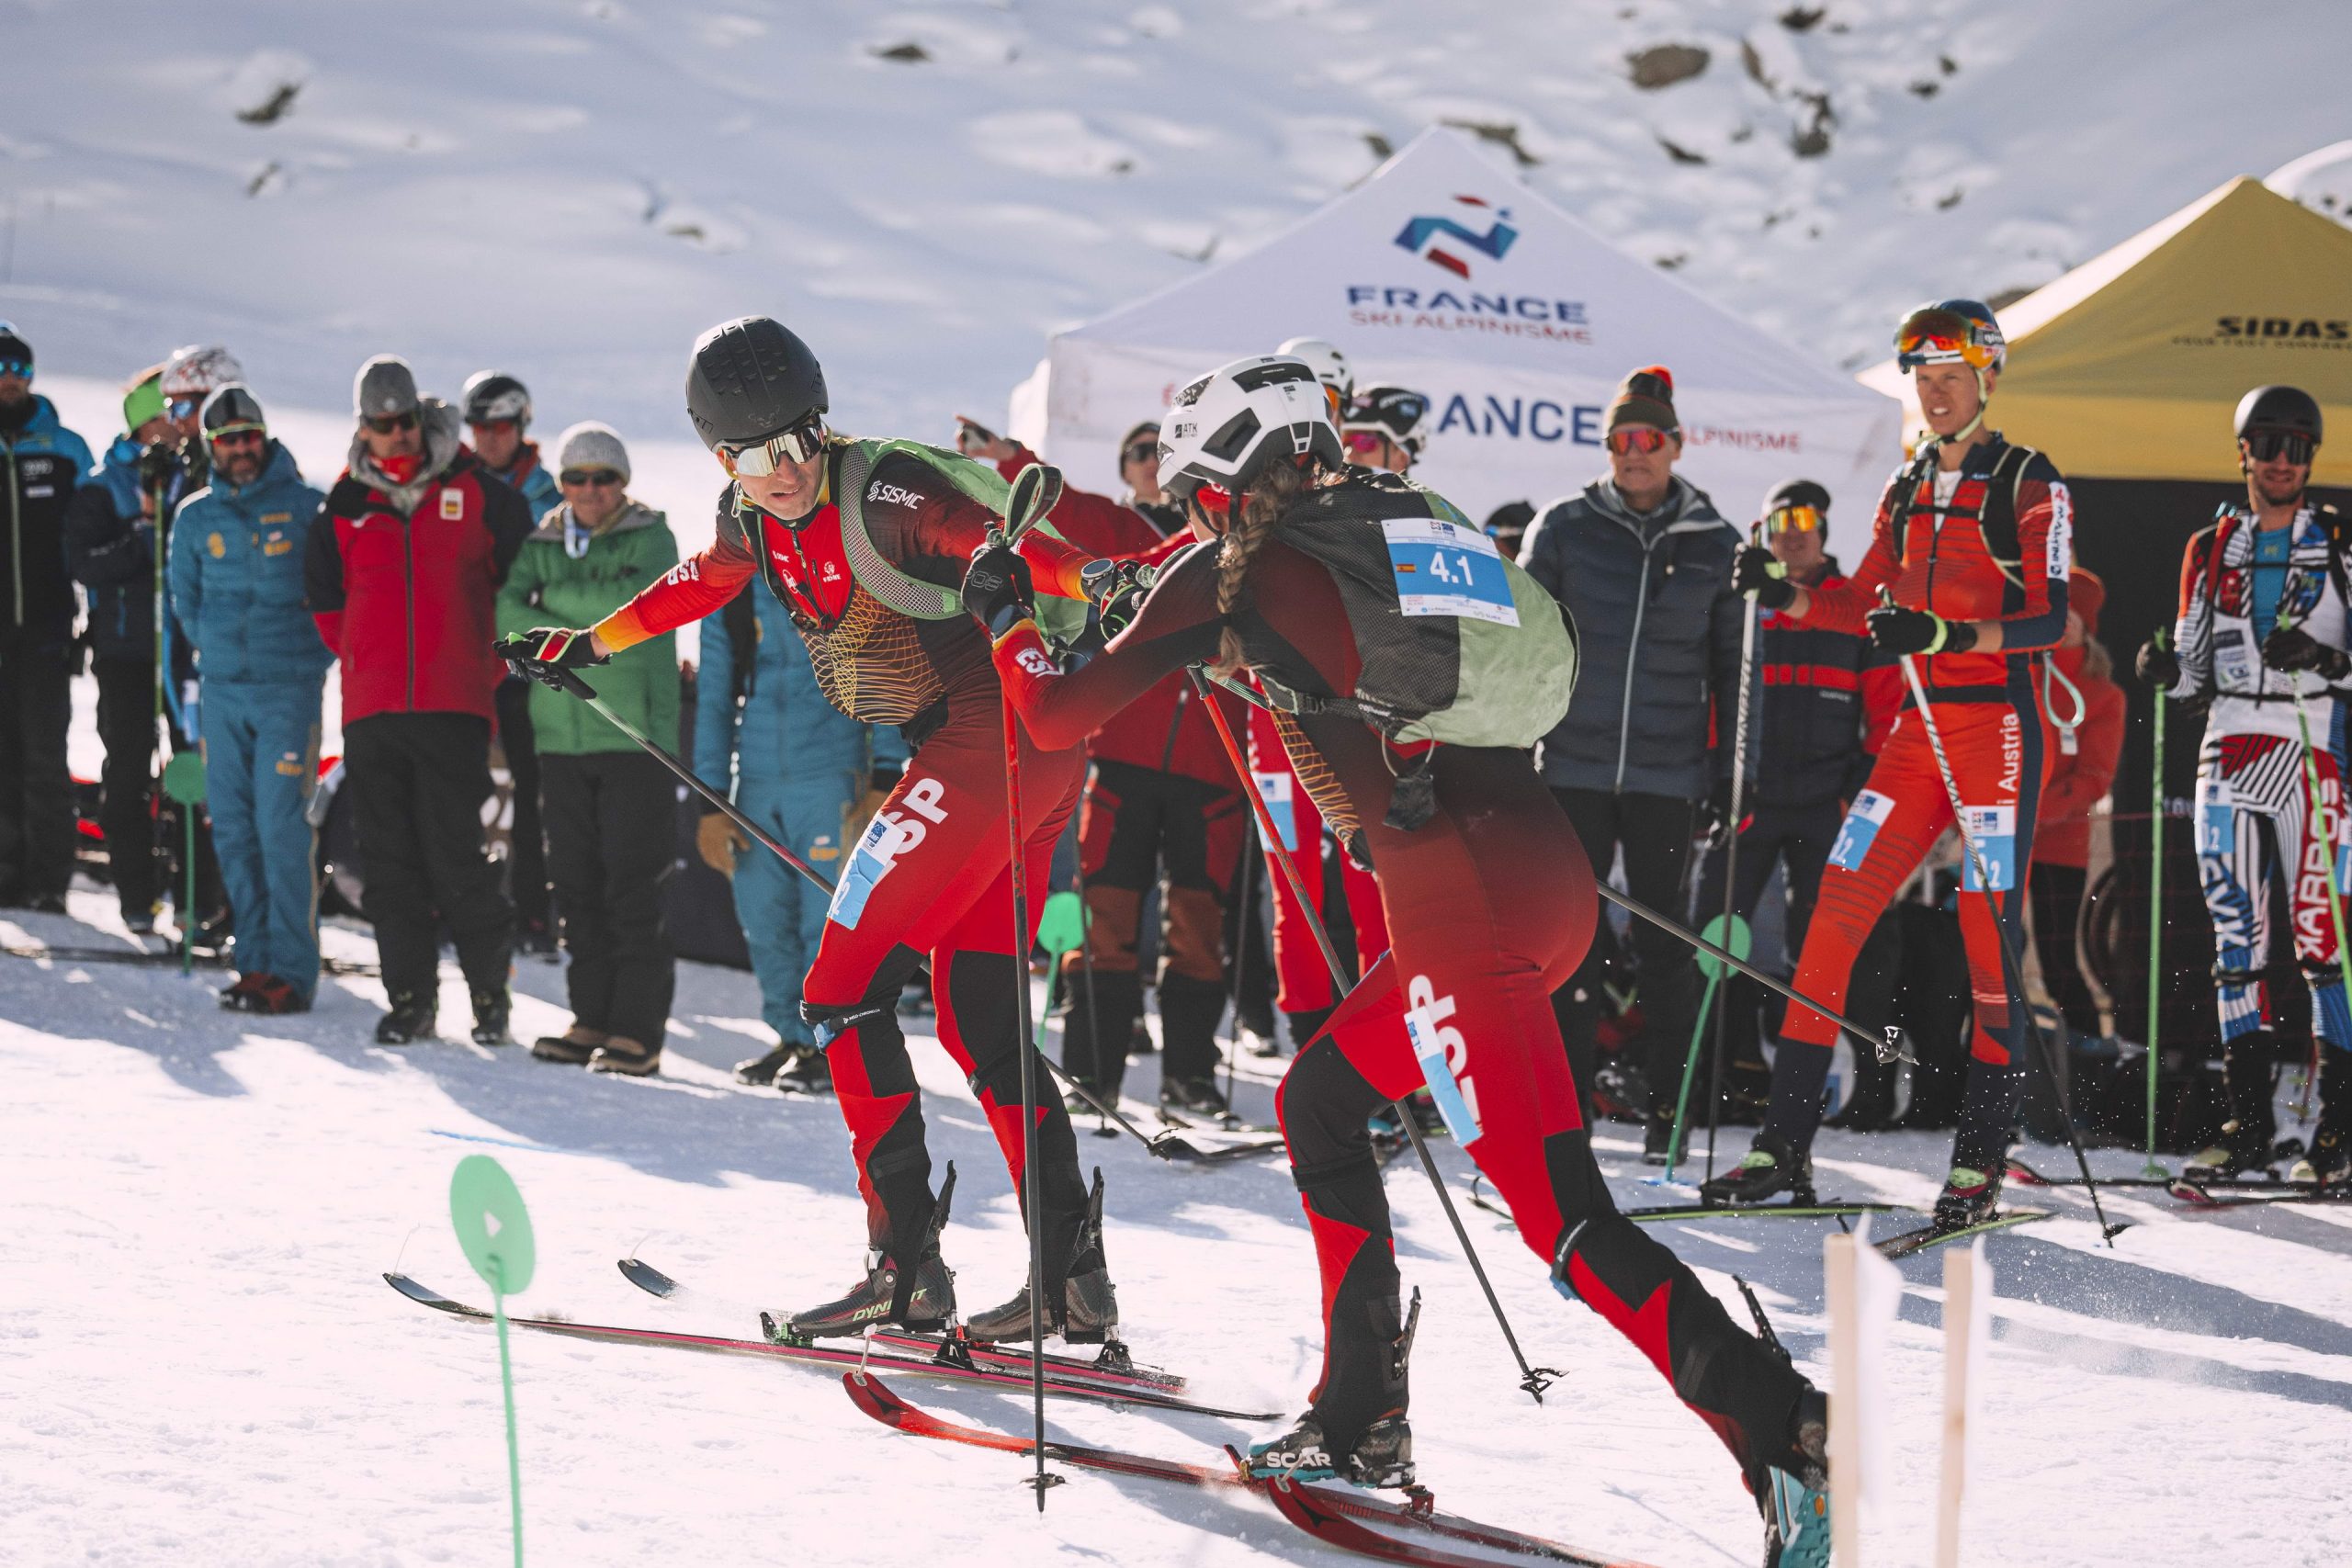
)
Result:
{"points": [[199, 1364], [573, 189]]}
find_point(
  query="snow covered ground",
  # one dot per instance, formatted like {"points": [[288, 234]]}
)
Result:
{"points": [[199, 1363]]}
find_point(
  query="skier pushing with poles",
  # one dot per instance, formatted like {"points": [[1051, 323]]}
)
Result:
{"points": [[863, 541], [1408, 712], [1972, 540], [2264, 625]]}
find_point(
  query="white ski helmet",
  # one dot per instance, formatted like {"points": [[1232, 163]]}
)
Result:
{"points": [[493, 397], [195, 370], [1224, 428], [1331, 367]]}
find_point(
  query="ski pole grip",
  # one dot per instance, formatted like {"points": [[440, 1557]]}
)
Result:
{"points": [[574, 683], [1885, 596]]}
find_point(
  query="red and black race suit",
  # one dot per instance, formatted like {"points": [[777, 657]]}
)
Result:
{"points": [[931, 876], [1490, 906]]}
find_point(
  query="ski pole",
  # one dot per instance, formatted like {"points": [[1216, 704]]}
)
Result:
{"points": [[2015, 977], [1730, 864], [2156, 918], [1535, 1379]]}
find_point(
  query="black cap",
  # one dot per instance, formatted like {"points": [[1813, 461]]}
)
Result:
{"points": [[752, 378], [1797, 492]]}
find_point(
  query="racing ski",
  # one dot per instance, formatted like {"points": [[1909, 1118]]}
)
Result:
{"points": [[1926, 1237]]}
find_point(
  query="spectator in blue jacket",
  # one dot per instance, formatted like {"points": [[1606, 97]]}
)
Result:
{"points": [[800, 769], [236, 576], [1643, 563], [41, 462]]}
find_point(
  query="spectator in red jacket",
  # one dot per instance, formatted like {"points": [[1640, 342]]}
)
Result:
{"points": [[2080, 777], [403, 571], [1162, 807]]}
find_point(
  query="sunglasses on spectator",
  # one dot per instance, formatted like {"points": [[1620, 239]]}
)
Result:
{"points": [[183, 408], [22, 369], [237, 436], [1140, 451], [2269, 445], [1797, 519], [1638, 438], [584, 477], [384, 425], [758, 460]]}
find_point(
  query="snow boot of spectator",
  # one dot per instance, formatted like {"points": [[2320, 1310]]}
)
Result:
{"points": [[1658, 1139], [1766, 1171], [809, 1071], [631, 1059], [413, 1015], [1199, 1096], [491, 1010], [268, 994], [572, 1047], [759, 1071], [234, 995]]}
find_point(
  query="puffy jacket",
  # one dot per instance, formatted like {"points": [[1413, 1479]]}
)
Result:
{"points": [[41, 463], [548, 586], [236, 573], [403, 579], [1657, 630], [1821, 703], [529, 474], [759, 713]]}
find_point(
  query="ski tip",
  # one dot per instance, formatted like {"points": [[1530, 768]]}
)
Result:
{"points": [[423, 1295], [646, 1277]]}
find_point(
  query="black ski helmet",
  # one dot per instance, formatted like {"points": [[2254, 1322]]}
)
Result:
{"points": [[750, 378], [492, 397], [2288, 409]]}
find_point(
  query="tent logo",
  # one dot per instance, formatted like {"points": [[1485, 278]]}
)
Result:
{"points": [[1422, 236]]}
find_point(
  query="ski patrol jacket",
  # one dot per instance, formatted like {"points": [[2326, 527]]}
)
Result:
{"points": [[2219, 655], [1657, 628], [549, 586], [871, 577], [41, 463], [1166, 729], [760, 717], [237, 567], [1821, 703], [1998, 549], [403, 578]]}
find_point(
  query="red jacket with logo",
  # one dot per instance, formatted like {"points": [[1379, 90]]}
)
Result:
{"points": [[407, 601]]}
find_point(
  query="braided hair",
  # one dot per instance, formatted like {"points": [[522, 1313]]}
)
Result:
{"points": [[1248, 528]]}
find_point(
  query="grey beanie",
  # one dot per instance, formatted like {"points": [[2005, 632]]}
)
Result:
{"points": [[591, 444], [386, 386]]}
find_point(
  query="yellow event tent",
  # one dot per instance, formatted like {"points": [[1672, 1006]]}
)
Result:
{"points": [[2129, 366]]}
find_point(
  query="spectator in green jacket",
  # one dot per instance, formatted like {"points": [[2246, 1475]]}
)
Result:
{"points": [[605, 807]]}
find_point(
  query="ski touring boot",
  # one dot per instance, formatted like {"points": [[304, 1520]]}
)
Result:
{"points": [[1658, 1139], [2329, 1161], [2241, 1147], [1795, 1495], [921, 1300], [1088, 1310], [1766, 1171], [1970, 1198], [759, 1071], [1382, 1456]]}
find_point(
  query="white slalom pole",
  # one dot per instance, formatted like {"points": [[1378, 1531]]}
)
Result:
{"points": [[2015, 975], [1968, 1327]]}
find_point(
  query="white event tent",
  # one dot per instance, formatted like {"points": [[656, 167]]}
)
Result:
{"points": [[1447, 275]]}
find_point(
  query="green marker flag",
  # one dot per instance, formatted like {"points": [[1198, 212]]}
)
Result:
{"points": [[1730, 933], [494, 1229], [1061, 927], [184, 782]]}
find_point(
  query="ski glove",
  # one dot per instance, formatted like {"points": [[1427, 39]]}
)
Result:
{"points": [[1755, 573], [2294, 649], [542, 651], [719, 841], [1116, 588], [2159, 665], [1894, 629], [997, 588]]}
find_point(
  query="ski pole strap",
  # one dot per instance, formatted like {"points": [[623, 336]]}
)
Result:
{"points": [[2068, 742]]}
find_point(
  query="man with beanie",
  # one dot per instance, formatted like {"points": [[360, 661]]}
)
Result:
{"points": [[1643, 562], [497, 410], [403, 571], [236, 574], [604, 801], [41, 462], [1819, 704]]}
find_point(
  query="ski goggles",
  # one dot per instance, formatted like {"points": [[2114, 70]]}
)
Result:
{"points": [[184, 408], [1638, 438], [2272, 445], [1366, 442], [757, 459], [1795, 519], [580, 479], [237, 436], [1937, 336], [22, 369]]}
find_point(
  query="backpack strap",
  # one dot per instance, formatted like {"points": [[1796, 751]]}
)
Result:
{"points": [[1914, 474]]}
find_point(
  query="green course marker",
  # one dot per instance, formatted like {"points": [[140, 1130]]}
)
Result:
{"points": [[184, 782], [494, 1229], [1737, 942], [1062, 925]]}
